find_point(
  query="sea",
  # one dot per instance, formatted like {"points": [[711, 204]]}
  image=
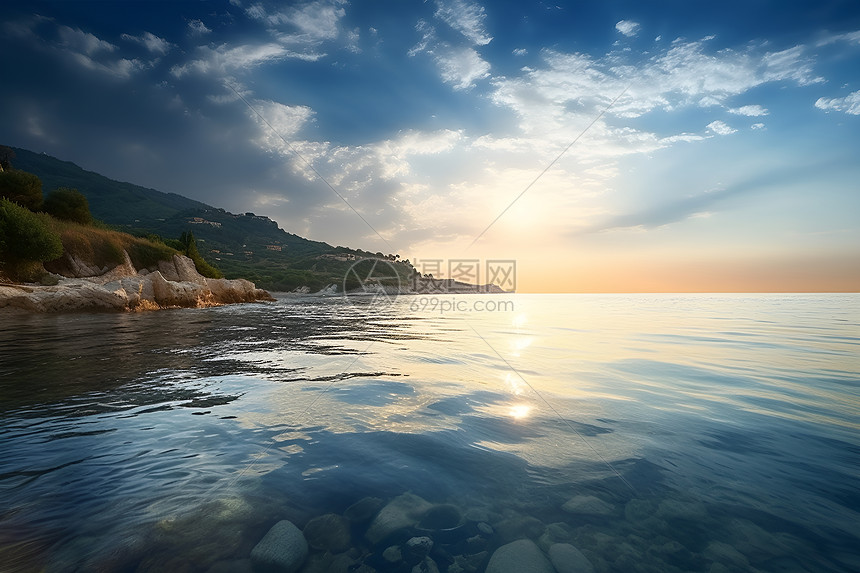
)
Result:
{"points": [[651, 432]]}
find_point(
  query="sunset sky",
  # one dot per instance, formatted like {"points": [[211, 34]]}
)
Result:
{"points": [[659, 146]]}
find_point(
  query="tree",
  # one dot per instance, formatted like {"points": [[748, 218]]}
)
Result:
{"points": [[25, 236], [6, 157], [22, 188], [70, 205], [188, 246]]}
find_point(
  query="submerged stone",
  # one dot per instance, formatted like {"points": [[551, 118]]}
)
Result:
{"points": [[402, 512], [363, 510], [417, 549], [568, 559], [282, 549], [427, 565], [521, 556], [328, 532], [587, 505], [519, 527]]}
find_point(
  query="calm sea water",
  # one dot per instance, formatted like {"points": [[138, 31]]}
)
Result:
{"points": [[653, 432]]}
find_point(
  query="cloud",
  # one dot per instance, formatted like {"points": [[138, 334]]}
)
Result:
{"points": [[849, 37], [82, 42], [197, 28], [520, 52], [222, 60], [151, 42], [465, 17], [304, 26], [850, 104], [628, 28], [757, 126], [460, 66], [749, 110], [721, 128]]}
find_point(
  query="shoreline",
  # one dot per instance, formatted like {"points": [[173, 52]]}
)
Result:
{"points": [[173, 284]]}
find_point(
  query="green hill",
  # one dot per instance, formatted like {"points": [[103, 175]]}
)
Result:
{"points": [[242, 246]]}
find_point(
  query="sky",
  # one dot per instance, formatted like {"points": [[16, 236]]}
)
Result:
{"points": [[673, 146]]}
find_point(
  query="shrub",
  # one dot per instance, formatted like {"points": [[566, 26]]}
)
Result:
{"points": [[21, 187], [69, 205], [189, 248], [26, 236]]}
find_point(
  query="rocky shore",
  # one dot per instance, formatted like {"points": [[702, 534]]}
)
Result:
{"points": [[172, 284]]}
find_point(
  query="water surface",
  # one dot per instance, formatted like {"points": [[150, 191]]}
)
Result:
{"points": [[721, 431]]}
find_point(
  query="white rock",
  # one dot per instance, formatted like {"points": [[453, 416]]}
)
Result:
{"points": [[123, 288], [282, 549], [568, 559], [521, 556]]}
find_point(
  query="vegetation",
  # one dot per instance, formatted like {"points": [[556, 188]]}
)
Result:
{"points": [[22, 188], [68, 205], [189, 249], [26, 240]]}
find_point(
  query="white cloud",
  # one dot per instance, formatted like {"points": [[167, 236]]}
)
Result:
{"points": [[79, 41], [306, 25], [721, 128], [628, 28], [850, 104], [197, 28], [462, 67], [223, 59], [150, 41], [749, 110], [757, 126], [850, 37], [465, 17], [520, 52]]}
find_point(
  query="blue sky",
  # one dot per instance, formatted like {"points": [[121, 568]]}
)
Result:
{"points": [[715, 145]]}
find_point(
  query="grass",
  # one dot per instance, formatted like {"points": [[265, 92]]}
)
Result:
{"points": [[102, 247]]}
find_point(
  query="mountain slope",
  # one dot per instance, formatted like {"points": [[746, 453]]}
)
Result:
{"points": [[242, 246]]}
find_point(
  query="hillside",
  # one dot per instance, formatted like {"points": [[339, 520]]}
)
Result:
{"points": [[241, 245]]}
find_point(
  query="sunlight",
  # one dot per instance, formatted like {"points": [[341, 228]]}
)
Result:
{"points": [[520, 411]]}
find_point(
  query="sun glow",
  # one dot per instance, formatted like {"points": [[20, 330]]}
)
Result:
{"points": [[520, 411]]}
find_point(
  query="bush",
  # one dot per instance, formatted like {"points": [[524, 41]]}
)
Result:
{"points": [[26, 236], [188, 246], [69, 205], [22, 188]]}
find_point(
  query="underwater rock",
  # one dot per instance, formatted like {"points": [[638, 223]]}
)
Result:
{"points": [[234, 566], [555, 533], [587, 505], [515, 528], [402, 512], [468, 563], [282, 549], [363, 510], [568, 559], [416, 549], [725, 553], [328, 532], [444, 516], [427, 565], [485, 528], [521, 556], [674, 509], [393, 554]]}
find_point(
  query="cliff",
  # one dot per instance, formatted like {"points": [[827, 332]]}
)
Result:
{"points": [[175, 283]]}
